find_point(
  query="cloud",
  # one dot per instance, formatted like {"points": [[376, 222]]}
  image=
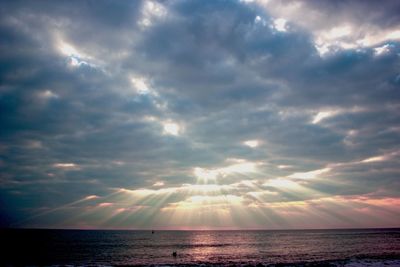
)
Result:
{"points": [[248, 107], [340, 24]]}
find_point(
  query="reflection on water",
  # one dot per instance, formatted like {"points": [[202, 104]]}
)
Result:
{"points": [[204, 246], [49, 247]]}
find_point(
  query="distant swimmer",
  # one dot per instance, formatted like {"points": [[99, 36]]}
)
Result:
{"points": [[174, 254], [152, 231]]}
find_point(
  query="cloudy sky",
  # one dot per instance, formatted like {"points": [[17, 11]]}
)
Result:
{"points": [[200, 114]]}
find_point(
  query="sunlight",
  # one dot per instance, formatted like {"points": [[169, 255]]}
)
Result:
{"points": [[281, 183], [382, 49], [140, 84], [244, 167], [199, 114], [67, 49], [323, 115], [199, 201], [252, 143], [75, 58], [151, 10], [48, 94], [280, 24], [91, 197], [66, 166], [206, 189], [283, 166], [374, 159], [337, 32], [204, 175], [159, 183], [310, 174], [171, 128], [241, 167], [206, 211]]}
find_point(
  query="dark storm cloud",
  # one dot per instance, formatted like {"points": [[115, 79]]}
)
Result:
{"points": [[74, 124]]}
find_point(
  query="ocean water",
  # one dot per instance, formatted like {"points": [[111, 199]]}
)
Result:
{"points": [[372, 247]]}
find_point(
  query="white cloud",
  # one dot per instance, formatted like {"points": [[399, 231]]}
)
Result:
{"points": [[205, 175], [75, 57], [159, 183], [280, 24], [333, 31], [90, 197], [141, 85], [171, 128], [323, 115], [47, 94], [328, 113], [239, 167], [252, 143], [260, 20], [196, 202], [66, 166], [67, 49], [374, 159], [284, 166], [382, 49], [77, 62], [309, 175], [151, 11], [281, 183]]}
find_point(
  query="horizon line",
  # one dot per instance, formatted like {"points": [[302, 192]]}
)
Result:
{"points": [[199, 229]]}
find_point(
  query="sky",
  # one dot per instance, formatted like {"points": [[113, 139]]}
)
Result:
{"points": [[200, 114]]}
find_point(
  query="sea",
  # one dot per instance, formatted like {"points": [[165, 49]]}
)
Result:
{"points": [[351, 247]]}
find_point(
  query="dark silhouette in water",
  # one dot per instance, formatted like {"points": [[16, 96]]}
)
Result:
{"points": [[174, 254], [152, 231]]}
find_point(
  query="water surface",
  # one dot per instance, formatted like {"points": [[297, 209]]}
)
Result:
{"points": [[98, 247]]}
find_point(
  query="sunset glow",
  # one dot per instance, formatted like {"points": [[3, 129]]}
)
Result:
{"points": [[199, 114]]}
